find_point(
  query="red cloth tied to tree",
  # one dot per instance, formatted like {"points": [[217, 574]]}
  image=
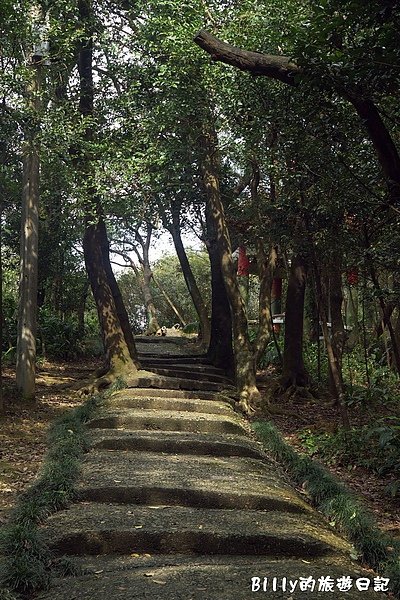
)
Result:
{"points": [[243, 263], [352, 276]]}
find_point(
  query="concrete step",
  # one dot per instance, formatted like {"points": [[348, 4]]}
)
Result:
{"points": [[183, 367], [186, 480], [175, 442], [180, 577], [193, 375], [165, 420], [118, 529], [171, 393], [129, 399], [175, 358], [177, 383]]}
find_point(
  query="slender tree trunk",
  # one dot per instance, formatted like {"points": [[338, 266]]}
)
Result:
{"points": [[243, 274], [205, 328], [169, 302], [27, 313], [294, 372], [1, 311], [334, 365], [81, 310], [152, 321], [244, 360], [337, 337], [220, 350], [266, 267]]}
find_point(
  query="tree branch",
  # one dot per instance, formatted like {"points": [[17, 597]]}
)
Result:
{"points": [[277, 67]]}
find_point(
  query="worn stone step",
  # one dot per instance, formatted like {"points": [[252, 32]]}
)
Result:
{"points": [[176, 383], [180, 577], [181, 366], [165, 420], [175, 442], [187, 480], [160, 393], [175, 358], [174, 371], [129, 399], [91, 528]]}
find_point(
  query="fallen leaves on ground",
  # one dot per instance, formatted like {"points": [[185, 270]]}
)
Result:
{"points": [[23, 428]]}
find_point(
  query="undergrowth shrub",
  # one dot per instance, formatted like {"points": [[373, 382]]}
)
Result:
{"points": [[376, 447]]}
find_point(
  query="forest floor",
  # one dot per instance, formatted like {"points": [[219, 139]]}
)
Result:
{"points": [[23, 438]]}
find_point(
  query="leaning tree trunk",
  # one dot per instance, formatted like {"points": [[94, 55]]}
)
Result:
{"points": [[205, 329], [117, 356], [244, 360], [169, 301], [117, 349], [116, 293], [220, 350], [294, 372]]}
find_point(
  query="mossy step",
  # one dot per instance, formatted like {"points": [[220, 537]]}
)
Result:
{"points": [[176, 383], [128, 399], [175, 442], [198, 481], [165, 420], [114, 529], [165, 577], [174, 371]]}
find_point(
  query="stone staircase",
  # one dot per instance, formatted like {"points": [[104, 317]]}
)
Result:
{"points": [[177, 501]]}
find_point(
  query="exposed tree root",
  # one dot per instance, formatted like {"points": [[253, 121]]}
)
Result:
{"points": [[104, 377]]}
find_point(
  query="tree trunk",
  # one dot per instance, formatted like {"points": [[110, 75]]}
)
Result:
{"points": [[334, 365], [116, 293], [1, 312], [118, 352], [27, 313], [266, 267], [385, 147], [284, 69], [244, 360], [152, 321], [80, 310], [335, 296], [294, 372], [220, 350], [205, 329], [243, 274], [169, 302]]}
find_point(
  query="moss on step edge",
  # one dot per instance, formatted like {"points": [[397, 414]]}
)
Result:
{"points": [[375, 548], [26, 563]]}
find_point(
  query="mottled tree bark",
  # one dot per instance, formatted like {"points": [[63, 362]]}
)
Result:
{"points": [[95, 244], [294, 372], [244, 360], [220, 350]]}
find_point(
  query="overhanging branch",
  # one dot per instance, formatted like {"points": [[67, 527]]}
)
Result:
{"points": [[277, 67]]}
